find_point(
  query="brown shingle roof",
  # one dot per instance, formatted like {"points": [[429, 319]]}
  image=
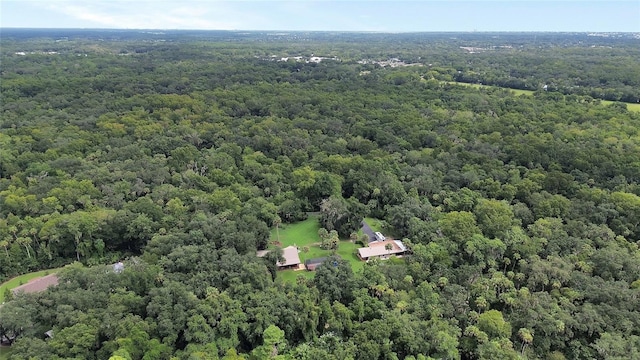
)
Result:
{"points": [[290, 255], [37, 285]]}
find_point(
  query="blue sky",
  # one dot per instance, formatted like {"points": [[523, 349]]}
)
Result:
{"points": [[363, 15]]}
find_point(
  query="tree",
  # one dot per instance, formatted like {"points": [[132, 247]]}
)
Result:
{"points": [[78, 340], [331, 242], [273, 343], [458, 227], [334, 280], [341, 215], [271, 259], [492, 323], [305, 250], [526, 337], [277, 221], [494, 217], [388, 247]]}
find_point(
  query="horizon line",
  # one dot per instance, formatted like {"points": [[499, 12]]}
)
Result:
{"points": [[325, 31]]}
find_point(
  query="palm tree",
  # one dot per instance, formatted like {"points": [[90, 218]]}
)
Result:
{"points": [[277, 221], [26, 242], [5, 244], [305, 249], [388, 247]]}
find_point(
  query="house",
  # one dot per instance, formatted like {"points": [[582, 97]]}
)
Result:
{"points": [[312, 264], [37, 285], [291, 258], [380, 250], [290, 255]]}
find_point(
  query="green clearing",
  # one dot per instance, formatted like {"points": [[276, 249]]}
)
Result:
{"points": [[23, 279], [291, 275], [633, 107], [375, 224], [305, 234], [480, 86], [381, 226], [522, 92], [630, 106], [5, 351]]}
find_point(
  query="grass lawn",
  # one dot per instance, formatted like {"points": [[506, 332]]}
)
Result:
{"points": [[480, 86], [23, 279], [630, 106], [348, 251], [378, 225], [522, 92], [5, 351], [291, 275], [375, 224], [305, 234], [633, 107]]}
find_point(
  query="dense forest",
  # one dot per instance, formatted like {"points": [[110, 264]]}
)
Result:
{"points": [[177, 152]]}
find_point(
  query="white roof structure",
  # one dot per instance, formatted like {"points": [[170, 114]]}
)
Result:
{"points": [[290, 255], [378, 249]]}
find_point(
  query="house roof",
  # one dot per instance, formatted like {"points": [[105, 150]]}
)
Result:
{"points": [[378, 248], [262, 253], [290, 255], [315, 261], [37, 285]]}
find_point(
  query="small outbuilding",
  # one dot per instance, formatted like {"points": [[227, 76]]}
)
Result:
{"points": [[312, 264]]}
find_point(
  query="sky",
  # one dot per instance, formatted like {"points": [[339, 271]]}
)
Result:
{"points": [[327, 15]]}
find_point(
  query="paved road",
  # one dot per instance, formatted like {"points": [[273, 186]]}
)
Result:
{"points": [[367, 230]]}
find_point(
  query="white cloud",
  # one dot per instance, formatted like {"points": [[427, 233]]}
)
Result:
{"points": [[152, 14]]}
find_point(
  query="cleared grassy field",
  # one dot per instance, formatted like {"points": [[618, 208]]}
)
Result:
{"points": [[348, 251], [381, 226], [522, 92], [630, 106], [305, 234], [375, 224], [5, 351], [23, 279], [480, 86], [292, 276]]}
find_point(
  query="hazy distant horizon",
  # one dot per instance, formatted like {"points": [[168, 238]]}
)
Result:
{"points": [[325, 15], [284, 31]]}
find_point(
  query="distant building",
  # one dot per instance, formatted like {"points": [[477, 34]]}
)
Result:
{"points": [[379, 249]]}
